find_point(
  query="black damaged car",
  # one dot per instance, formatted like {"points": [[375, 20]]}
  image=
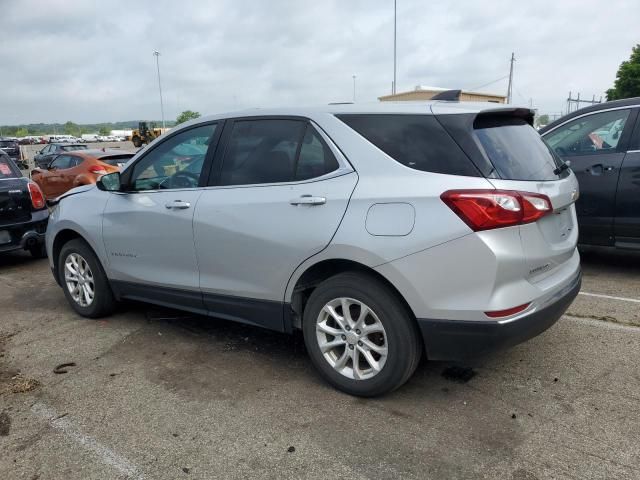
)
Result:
{"points": [[23, 211]]}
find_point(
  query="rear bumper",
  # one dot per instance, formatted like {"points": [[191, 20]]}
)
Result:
{"points": [[26, 234], [459, 339]]}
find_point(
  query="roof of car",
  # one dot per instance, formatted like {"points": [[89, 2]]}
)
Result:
{"points": [[626, 102], [407, 107]]}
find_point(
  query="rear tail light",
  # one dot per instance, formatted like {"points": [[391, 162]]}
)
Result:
{"points": [[37, 197], [508, 312], [98, 170], [488, 209]]}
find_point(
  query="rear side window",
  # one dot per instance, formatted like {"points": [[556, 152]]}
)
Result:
{"points": [[7, 168], [515, 149], [315, 157], [416, 141]]}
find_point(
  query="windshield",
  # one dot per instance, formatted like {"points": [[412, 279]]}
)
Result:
{"points": [[516, 151], [7, 168]]}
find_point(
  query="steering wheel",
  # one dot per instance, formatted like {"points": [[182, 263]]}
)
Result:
{"points": [[182, 179]]}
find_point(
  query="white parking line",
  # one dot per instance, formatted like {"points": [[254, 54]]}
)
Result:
{"points": [[624, 299], [108, 456]]}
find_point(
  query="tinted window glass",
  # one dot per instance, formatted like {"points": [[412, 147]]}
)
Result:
{"points": [[70, 148], [315, 157], [416, 141], [7, 168], [515, 149], [596, 133], [175, 163], [261, 151], [62, 162], [116, 160], [8, 144]]}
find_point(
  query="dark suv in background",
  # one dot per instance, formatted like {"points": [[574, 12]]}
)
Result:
{"points": [[12, 149], [602, 145], [44, 157]]}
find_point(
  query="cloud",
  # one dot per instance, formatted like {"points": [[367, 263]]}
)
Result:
{"points": [[92, 61]]}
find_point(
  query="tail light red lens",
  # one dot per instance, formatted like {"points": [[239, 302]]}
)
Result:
{"points": [[489, 209], [98, 170], [508, 312], [37, 197]]}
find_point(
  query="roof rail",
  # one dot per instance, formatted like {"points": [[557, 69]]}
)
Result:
{"points": [[448, 96]]}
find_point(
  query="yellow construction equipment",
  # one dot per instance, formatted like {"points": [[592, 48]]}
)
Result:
{"points": [[143, 134]]}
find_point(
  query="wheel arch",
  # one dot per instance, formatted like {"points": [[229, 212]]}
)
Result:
{"points": [[314, 274], [61, 238]]}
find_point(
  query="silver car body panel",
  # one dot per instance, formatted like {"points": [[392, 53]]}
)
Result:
{"points": [[249, 241]]}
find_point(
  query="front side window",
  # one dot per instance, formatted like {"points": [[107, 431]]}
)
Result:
{"points": [[595, 133], [175, 163], [261, 151]]}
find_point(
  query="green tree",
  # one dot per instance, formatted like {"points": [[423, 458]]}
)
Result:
{"points": [[22, 132], [71, 128], [186, 116], [627, 82], [104, 131]]}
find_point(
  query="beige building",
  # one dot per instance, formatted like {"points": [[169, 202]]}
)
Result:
{"points": [[426, 93]]}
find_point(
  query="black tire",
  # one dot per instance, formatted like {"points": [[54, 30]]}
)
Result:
{"points": [[38, 251], [404, 343], [103, 303], [137, 142]]}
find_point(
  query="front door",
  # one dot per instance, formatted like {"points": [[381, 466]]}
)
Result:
{"points": [[278, 199], [148, 229], [594, 146], [55, 179]]}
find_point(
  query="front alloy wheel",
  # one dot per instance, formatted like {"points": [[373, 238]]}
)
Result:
{"points": [[79, 279], [352, 338]]}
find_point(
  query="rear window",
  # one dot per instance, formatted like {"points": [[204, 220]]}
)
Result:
{"points": [[7, 168], [70, 148], [7, 143], [515, 149], [416, 141]]}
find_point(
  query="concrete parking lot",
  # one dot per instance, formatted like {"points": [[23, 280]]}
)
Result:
{"points": [[153, 395]]}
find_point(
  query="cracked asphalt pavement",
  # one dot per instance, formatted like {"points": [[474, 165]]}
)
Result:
{"points": [[160, 395]]}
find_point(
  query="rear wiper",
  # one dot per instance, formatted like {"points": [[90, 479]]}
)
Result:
{"points": [[561, 169]]}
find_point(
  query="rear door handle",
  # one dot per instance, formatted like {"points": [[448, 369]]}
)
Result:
{"points": [[308, 200], [177, 205]]}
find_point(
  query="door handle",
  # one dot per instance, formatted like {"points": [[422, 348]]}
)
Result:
{"points": [[308, 200], [599, 169], [177, 205]]}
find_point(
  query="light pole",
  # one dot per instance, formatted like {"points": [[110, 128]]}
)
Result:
{"points": [[354, 89], [395, 21], [157, 55]]}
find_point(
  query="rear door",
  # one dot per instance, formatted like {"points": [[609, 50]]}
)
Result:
{"points": [[627, 221], [276, 198], [595, 146]]}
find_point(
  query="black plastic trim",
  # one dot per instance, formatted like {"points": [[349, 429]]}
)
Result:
{"points": [[461, 339], [261, 313]]}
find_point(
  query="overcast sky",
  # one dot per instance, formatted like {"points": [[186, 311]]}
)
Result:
{"points": [[91, 61]]}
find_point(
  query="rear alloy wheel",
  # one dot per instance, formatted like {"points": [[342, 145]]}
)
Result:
{"points": [[360, 336], [83, 280]]}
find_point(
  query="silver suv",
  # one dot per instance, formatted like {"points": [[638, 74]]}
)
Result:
{"points": [[380, 231]]}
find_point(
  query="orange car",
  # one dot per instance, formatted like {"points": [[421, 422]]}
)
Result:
{"points": [[79, 167]]}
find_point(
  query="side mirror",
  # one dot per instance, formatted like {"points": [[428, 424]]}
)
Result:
{"points": [[109, 182]]}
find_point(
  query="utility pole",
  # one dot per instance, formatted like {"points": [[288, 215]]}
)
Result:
{"points": [[510, 87], [395, 21], [354, 88], [157, 55]]}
